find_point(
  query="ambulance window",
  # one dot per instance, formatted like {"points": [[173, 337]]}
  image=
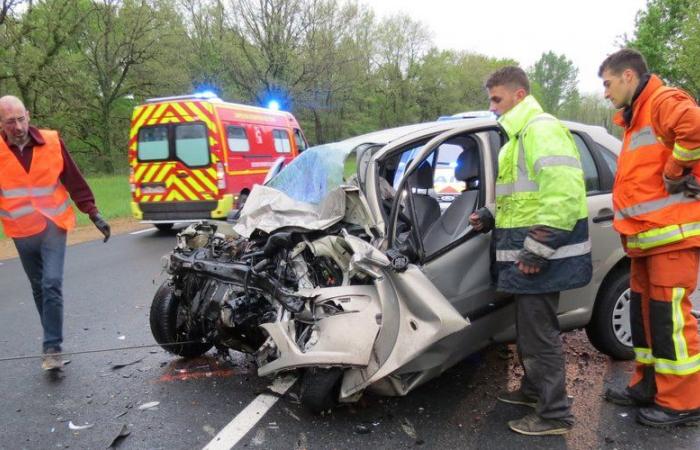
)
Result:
{"points": [[191, 145], [153, 143], [300, 141], [282, 144], [237, 139]]}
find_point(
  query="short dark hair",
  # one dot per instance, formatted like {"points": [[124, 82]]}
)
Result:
{"points": [[512, 76], [622, 60]]}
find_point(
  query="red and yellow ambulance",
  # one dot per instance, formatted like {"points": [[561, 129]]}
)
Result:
{"points": [[194, 157]]}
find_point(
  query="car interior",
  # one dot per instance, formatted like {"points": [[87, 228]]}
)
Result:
{"points": [[438, 223]]}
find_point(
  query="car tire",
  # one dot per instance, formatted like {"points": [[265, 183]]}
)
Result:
{"points": [[320, 389], [609, 329], [241, 201], [163, 321], [164, 227]]}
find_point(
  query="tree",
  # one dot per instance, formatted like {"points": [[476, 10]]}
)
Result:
{"points": [[662, 34], [554, 81]]}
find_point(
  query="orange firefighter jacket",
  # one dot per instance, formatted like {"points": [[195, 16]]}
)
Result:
{"points": [[27, 199], [665, 124]]}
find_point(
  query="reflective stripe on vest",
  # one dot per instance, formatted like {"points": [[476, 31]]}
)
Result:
{"points": [[565, 251], [644, 136], [17, 212], [683, 154], [652, 206], [523, 182], [28, 192], [657, 237]]}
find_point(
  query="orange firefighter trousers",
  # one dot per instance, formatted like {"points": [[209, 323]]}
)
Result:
{"points": [[664, 332]]}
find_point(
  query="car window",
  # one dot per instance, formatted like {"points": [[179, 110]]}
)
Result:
{"points": [[153, 143], [444, 180], [191, 146], [609, 157], [299, 140], [282, 144], [237, 139], [590, 171]]}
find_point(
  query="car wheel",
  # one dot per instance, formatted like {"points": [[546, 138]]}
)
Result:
{"points": [[164, 226], [609, 329], [170, 327], [320, 389]]}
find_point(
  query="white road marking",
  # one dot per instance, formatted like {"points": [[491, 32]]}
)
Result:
{"points": [[250, 416], [143, 231]]}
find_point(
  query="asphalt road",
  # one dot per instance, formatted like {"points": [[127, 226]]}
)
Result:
{"points": [[108, 289]]}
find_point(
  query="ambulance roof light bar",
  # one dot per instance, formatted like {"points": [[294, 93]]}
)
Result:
{"points": [[206, 95]]}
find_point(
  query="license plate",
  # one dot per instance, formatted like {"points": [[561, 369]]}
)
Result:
{"points": [[152, 190]]}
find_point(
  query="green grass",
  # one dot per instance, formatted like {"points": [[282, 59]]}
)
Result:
{"points": [[112, 195]]}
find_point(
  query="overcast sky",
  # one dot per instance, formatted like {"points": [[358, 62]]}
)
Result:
{"points": [[585, 31]]}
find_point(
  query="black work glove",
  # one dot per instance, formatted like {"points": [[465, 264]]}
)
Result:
{"points": [[482, 220], [687, 184], [102, 225], [532, 260]]}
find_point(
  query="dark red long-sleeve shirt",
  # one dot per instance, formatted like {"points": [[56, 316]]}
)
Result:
{"points": [[70, 177]]}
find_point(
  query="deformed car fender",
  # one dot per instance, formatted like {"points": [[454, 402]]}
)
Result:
{"points": [[343, 339], [424, 317]]}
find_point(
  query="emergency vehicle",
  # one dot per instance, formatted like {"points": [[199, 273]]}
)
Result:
{"points": [[195, 157]]}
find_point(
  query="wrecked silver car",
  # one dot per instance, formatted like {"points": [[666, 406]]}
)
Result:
{"points": [[354, 267]]}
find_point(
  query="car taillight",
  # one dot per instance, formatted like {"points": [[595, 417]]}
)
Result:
{"points": [[132, 181], [220, 176]]}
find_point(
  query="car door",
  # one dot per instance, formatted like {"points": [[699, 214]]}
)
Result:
{"points": [[459, 267]]}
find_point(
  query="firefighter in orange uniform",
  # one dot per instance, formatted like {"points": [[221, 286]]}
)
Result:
{"points": [[656, 198]]}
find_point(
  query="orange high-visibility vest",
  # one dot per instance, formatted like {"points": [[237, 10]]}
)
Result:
{"points": [[28, 199], [645, 213]]}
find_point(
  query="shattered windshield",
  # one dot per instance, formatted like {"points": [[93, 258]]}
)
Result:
{"points": [[314, 173]]}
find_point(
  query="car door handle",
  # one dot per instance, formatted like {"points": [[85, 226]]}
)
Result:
{"points": [[182, 175], [604, 215]]}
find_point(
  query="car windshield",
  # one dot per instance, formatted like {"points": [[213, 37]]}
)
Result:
{"points": [[314, 173]]}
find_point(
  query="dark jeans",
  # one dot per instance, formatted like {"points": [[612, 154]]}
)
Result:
{"points": [[42, 257], [541, 354]]}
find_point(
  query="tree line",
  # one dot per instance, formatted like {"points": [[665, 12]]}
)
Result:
{"points": [[82, 65]]}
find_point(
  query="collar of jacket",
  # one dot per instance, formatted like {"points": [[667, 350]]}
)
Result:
{"points": [[647, 85], [515, 120]]}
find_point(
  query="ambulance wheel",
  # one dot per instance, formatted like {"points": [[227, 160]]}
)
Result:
{"points": [[320, 389], [164, 227], [609, 329], [172, 326], [241, 200]]}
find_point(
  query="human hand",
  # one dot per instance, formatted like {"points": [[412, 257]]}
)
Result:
{"points": [[102, 225], [530, 263], [475, 221], [527, 270]]}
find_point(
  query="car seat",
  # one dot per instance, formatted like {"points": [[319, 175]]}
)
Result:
{"points": [[427, 207], [455, 220]]}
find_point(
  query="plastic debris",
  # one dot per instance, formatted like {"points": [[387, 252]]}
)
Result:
{"points": [[149, 405], [73, 426], [124, 364], [120, 436], [623, 414], [121, 338], [408, 428]]}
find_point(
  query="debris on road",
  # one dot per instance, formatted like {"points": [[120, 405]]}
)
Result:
{"points": [[149, 405], [124, 364], [121, 338], [408, 428], [120, 436], [73, 426]]}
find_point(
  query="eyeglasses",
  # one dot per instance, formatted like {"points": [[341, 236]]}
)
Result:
{"points": [[19, 120]]}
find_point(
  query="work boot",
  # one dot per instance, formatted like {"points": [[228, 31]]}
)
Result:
{"points": [[52, 360], [656, 416], [626, 397], [517, 398], [534, 425]]}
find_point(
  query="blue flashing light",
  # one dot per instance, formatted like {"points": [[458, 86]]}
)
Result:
{"points": [[205, 94], [273, 105]]}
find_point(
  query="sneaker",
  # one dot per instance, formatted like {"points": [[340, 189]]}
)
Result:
{"points": [[534, 425], [517, 398], [52, 360], [656, 416], [625, 397]]}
